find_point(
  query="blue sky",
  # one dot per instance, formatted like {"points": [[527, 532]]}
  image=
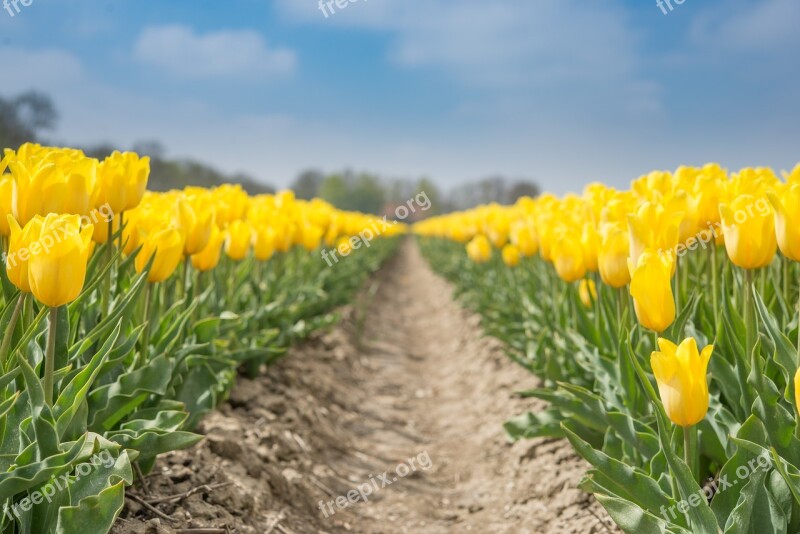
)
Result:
{"points": [[562, 91]]}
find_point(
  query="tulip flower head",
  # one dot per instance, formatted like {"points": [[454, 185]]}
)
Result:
{"points": [[57, 270], [651, 290], [787, 220], [208, 258], [479, 249], [167, 247], [237, 240], [681, 375], [587, 290], [749, 229], [511, 255]]}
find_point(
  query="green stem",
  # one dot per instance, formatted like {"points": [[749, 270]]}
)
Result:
{"points": [[148, 322], [677, 284], [50, 357], [186, 275], [750, 321], [712, 253], [690, 451], [12, 324]]}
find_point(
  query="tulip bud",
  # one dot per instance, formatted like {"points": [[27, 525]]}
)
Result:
{"points": [[19, 250], [749, 229], [587, 290], [511, 255], [568, 258], [612, 257], [651, 290], [237, 240], [167, 247], [208, 258], [479, 249], [787, 220], [57, 270], [680, 372]]}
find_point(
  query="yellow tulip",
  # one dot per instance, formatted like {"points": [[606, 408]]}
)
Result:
{"points": [[568, 257], [208, 258], [589, 242], [653, 227], [511, 255], [682, 384], [797, 390], [479, 249], [652, 291], [57, 270], [523, 235], [6, 192], [588, 292], [787, 220], [264, 243], [167, 247], [237, 240], [196, 225], [749, 229], [19, 250], [612, 257], [60, 186], [310, 236], [122, 181]]}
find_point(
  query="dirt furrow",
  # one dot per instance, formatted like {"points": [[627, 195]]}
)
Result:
{"points": [[390, 422]]}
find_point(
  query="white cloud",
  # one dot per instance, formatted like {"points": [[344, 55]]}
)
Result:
{"points": [[498, 42], [242, 54], [767, 26]]}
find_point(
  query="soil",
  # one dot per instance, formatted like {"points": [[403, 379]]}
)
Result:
{"points": [[405, 399]]}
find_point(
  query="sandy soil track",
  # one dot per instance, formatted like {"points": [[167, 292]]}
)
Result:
{"points": [[407, 374]]}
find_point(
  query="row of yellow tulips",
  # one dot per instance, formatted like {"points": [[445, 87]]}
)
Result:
{"points": [[659, 240]]}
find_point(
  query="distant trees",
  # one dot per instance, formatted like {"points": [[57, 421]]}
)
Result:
{"points": [[23, 118]]}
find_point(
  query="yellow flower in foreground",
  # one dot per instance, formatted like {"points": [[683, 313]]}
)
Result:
{"points": [[6, 193], [651, 290], [588, 292], [787, 220], [479, 249], [749, 229], [167, 246], [208, 258], [264, 243], [511, 255], [19, 250], [57, 267], [681, 375]]}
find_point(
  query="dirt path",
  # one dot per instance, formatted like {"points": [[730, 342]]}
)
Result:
{"points": [[405, 386]]}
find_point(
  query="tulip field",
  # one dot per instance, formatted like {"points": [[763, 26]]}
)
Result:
{"points": [[662, 322], [126, 315]]}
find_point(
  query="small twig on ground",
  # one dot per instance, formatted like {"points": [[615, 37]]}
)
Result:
{"points": [[202, 530], [275, 523], [180, 496], [589, 509], [142, 479], [150, 507]]}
